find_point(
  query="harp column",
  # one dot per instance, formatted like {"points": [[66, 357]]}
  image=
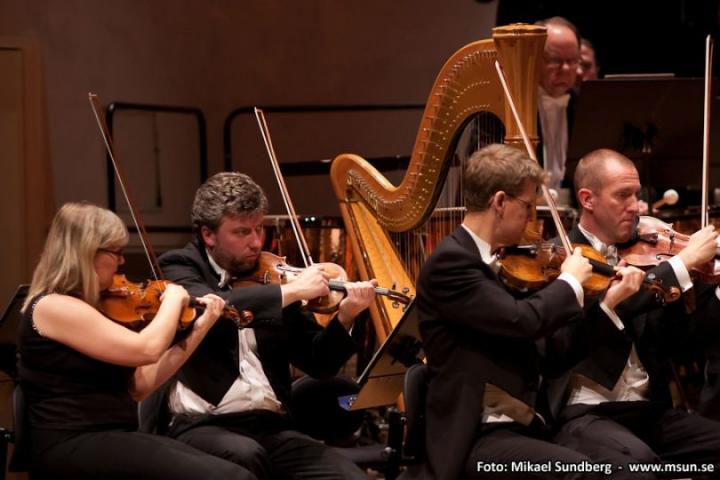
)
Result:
{"points": [[519, 48]]}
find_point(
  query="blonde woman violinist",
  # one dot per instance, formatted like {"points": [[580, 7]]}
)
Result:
{"points": [[82, 373]]}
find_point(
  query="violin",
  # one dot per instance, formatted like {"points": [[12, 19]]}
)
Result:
{"points": [[134, 305], [656, 241], [530, 267], [273, 269]]}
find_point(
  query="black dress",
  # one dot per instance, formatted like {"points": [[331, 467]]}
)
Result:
{"points": [[82, 419]]}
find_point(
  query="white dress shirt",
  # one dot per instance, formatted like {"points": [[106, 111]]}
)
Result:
{"points": [[250, 391], [554, 125], [634, 382], [492, 415]]}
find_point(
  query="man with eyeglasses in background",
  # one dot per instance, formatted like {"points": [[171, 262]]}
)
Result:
{"points": [[558, 74]]}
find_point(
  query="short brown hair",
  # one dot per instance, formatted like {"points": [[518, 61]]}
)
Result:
{"points": [[226, 193], [494, 168], [590, 171]]}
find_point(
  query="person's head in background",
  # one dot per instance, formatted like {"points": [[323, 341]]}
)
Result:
{"points": [[588, 68], [561, 56]]}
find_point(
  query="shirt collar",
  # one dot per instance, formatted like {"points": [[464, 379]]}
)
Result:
{"points": [[550, 101], [597, 244], [484, 247], [224, 275]]}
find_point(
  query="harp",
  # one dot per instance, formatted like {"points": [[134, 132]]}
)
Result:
{"points": [[393, 228]]}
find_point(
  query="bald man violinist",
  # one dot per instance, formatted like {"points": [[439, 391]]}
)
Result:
{"points": [[615, 406]]}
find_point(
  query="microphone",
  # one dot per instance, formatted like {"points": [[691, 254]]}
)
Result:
{"points": [[670, 197]]}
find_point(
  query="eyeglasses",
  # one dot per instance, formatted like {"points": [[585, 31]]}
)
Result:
{"points": [[557, 63], [118, 254], [529, 206]]}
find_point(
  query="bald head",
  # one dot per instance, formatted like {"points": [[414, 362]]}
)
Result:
{"points": [[593, 168], [607, 187]]}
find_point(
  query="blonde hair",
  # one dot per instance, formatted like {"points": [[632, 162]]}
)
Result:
{"points": [[67, 265]]}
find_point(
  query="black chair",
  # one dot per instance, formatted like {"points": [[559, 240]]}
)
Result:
{"points": [[415, 392], [19, 437], [20, 460], [317, 412], [153, 413], [6, 438]]}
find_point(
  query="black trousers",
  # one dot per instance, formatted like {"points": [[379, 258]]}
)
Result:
{"points": [[121, 455], [506, 451], [624, 433], [264, 443]]}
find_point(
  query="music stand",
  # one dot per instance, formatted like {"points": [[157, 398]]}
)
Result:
{"points": [[9, 322], [382, 380], [656, 122]]}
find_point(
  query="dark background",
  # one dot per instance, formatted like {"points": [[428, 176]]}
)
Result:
{"points": [[632, 36]]}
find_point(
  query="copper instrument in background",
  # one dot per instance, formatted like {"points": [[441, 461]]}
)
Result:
{"points": [[325, 236], [133, 304]]}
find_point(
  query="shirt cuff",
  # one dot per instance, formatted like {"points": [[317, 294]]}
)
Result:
{"points": [[613, 316], [681, 273], [575, 285], [717, 292]]}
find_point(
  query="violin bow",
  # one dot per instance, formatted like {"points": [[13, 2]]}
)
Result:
{"points": [[704, 208], [241, 319], [137, 220], [531, 153], [297, 231]]}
